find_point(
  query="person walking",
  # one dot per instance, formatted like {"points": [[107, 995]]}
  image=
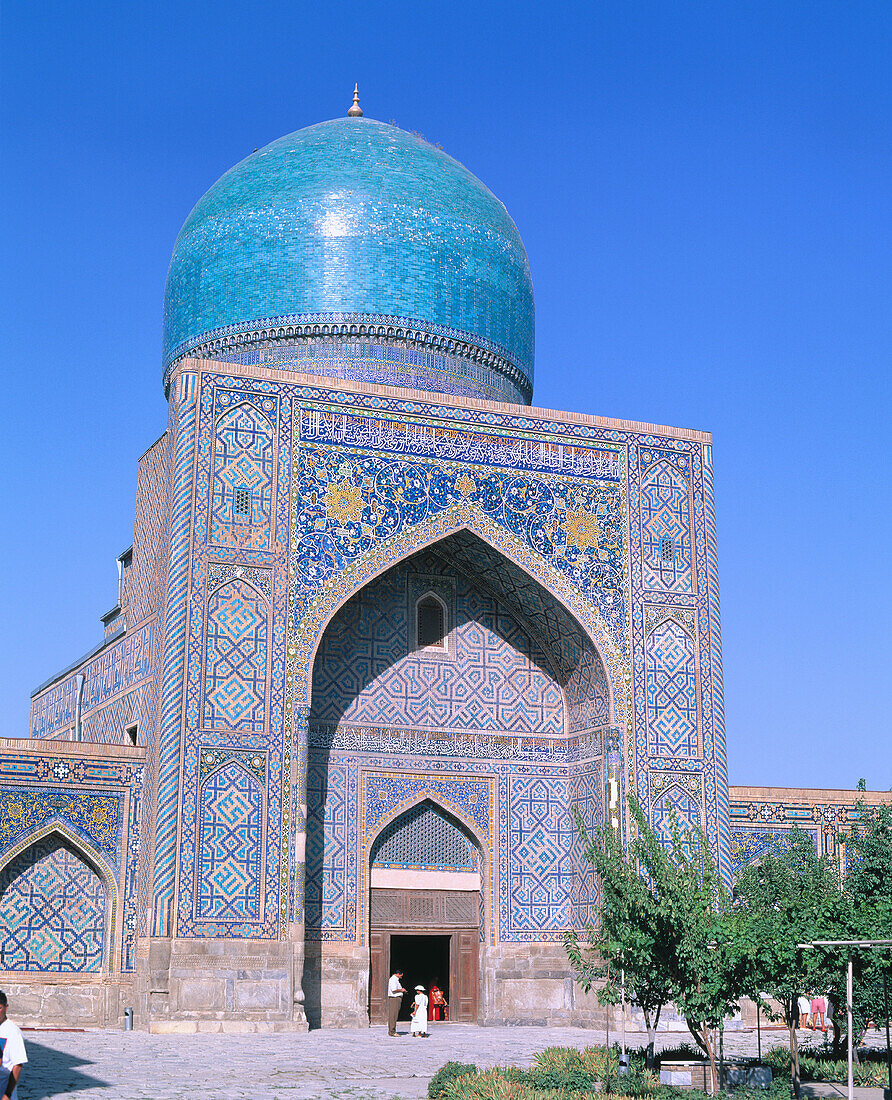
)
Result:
{"points": [[419, 1013], [804, 1009], [12, 1049], [395, 993]]}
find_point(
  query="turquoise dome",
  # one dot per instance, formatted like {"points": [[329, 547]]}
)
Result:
{"points": [[353, 227]]}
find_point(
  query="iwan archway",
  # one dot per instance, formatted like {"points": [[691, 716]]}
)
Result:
{"points": [[458, 717]]}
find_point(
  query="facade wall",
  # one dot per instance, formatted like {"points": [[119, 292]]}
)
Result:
{"points": [[285, 528], [592, 534]]}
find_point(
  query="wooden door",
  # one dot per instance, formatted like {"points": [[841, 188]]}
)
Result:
{"points": [[464, 953], [379, 951]]}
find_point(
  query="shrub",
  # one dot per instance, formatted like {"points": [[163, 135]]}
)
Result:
{"points": [[681, 1052], [591, 1059], [436, 1090], [780, 1059], [566, 1080], [497, 1084]]}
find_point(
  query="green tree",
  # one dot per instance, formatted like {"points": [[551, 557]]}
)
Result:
{"points": [[665, 921], [626, 954], [790, 896], [868, 886]]}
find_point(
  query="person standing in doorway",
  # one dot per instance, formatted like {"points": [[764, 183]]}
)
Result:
{"points": [[419, 1013], [12, 1050], [395, 993], [439, 1009]]}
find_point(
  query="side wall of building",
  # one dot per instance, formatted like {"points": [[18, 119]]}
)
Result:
{"points": [[762, 817], [69, 847], [114, 688]]}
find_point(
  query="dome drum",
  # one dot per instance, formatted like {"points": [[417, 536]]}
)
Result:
{"points": [[274, 341]]}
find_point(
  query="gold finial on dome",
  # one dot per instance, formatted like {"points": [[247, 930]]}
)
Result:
{"points": [[355, 111]]}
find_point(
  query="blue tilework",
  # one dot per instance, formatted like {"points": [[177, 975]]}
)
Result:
{"points": [[236, 659], [85, 804], [52, 911], [375, 361], [229, 870], [671, 679], [353, 216], [495, 677]]}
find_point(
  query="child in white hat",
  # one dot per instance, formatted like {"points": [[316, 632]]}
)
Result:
{"points": [[419, 1013]]}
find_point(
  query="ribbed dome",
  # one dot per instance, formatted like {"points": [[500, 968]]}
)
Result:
{"points": [[357, 222]]}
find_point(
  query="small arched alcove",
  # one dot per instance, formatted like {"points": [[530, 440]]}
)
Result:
{"points": [[426, 876], [55, 910]]}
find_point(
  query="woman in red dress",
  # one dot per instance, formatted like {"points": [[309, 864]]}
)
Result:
{"points": [[438, 1002]]}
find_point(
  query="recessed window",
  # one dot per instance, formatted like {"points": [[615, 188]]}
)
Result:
{"points": [[131, 733], [241, 504], [430, 623], [667, 548]]}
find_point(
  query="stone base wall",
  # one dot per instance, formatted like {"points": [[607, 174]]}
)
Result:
{"points": [[336, 985], [525, 983], [43, 1002], [532, 984], [220, 985]]}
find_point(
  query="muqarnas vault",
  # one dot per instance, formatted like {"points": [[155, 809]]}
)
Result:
{"points": [[384, 629]]}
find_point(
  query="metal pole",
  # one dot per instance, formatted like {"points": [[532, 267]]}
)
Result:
{"points": [[849, 1023], [623, 986], [888, 1048], [759, 1026], [607, 1058]]}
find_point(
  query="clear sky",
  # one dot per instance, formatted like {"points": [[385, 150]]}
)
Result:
{"points": [[704, 193]]}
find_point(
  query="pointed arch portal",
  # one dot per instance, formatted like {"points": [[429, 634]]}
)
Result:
{"points": [[425, 909]]}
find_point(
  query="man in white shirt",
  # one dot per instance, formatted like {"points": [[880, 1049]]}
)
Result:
{"points": [[395, 993], [12, 1048]]}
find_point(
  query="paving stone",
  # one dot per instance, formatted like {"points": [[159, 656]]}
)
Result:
{"points": [[349, 1064]]}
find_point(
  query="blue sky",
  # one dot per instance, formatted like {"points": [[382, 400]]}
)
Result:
{"points": [[703, 190]]}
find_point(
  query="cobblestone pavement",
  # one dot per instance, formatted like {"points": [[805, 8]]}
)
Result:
{"points": [[322, 1065]]}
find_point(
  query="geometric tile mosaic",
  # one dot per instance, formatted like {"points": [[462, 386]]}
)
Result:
{"points": [[424, 838], [540, 872], [675, 804], [230, 855], [326, 847], [52, 911], [236, 659], [587, 799], [495, 678], [243, 475], [671, 685], [666, 522]]}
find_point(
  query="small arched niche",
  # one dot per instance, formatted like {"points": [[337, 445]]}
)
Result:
{"points": [[425, 847], [54, 910], [431, 623]]}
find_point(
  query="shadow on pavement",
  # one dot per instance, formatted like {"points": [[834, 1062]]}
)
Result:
{"points": [[53, 1072]]}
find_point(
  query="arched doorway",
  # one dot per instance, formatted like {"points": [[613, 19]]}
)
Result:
{"points": [[424, 910]]}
